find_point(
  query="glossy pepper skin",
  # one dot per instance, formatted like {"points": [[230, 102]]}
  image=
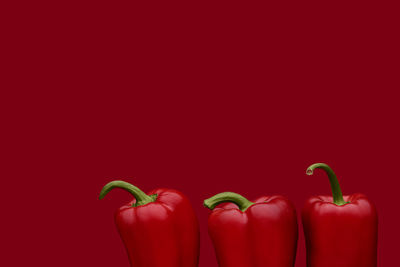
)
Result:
{"points": [[159, 229], [262, 233], [339, 230]]}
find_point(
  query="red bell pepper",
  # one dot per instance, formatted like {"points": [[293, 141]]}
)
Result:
{"points": [[253, 234], [339, 230], [159, 229]]}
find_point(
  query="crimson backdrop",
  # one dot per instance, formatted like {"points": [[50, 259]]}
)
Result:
{"points": [[202, 97]]}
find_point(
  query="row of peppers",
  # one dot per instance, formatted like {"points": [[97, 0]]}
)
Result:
{"points": [[161, 229]]}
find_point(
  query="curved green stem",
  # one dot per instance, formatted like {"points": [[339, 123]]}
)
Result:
{"points": [[335, 187], [242, 202], [141, 197]]}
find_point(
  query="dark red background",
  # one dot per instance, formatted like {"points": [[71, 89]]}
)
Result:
{"points": [[203, 97]]}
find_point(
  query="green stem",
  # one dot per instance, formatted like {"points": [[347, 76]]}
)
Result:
{"points": [[335, 187], [141, 197], [242, 202]]}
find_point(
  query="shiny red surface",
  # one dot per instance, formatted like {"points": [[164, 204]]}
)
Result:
{"points": [[264, 235], [164, 233], [344, 235]]}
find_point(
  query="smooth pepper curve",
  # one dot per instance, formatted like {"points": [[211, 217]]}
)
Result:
{"points": [[158, 229], [339, 230], [247, 233]]}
